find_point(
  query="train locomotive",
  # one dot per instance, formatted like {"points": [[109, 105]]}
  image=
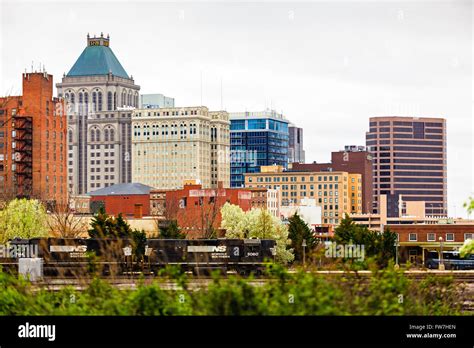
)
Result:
{"points": [[79, 256]]}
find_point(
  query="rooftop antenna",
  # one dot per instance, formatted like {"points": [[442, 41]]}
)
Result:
{"points": [[32, 63], [222, 107]]}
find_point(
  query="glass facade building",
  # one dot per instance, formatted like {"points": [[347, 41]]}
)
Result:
{"points": [[256, 139]]}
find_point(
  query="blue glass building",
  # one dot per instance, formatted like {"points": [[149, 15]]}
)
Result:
{"points": [[256, 139]]}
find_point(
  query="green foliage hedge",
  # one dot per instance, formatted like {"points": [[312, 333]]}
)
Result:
{"points": [[387, 292]]}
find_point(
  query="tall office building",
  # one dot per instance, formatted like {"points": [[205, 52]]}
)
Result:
{"points": [[155, 101], [295, 146], [33, 142], [174, 145], [353, 159], [409, 159], [256, 139], [100, 96]]}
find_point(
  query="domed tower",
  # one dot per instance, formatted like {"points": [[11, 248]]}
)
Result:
{"points": [[100, 97]]}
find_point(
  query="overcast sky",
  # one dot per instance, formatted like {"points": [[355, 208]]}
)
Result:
{"points": [[328, 66]]}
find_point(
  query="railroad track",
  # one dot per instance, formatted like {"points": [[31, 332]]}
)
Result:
{"points": [[131, 281]]}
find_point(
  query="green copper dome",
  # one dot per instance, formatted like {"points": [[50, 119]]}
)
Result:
{"points": [[97, 59]]}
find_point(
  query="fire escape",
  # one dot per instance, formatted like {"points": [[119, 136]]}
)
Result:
{"points": [[23, 155]]}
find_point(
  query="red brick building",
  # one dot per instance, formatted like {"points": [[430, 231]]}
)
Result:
{"points": [[33, 153], [197, 210], [129, 199], [353, 159], [417, 240]]}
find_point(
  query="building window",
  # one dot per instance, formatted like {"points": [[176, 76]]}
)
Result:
{"points": [[449, 237], [412, 237], [109, 101], [431, 237]]}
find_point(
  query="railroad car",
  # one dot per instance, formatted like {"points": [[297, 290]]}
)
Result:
{"points": [[78, 256]]}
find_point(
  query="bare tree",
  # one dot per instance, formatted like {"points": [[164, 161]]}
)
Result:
{"points": [[62, 221]]}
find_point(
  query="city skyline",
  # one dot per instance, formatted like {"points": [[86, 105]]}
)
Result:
{"points": [[394, 59]]}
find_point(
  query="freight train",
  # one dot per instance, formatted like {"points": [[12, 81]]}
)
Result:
{"points": [[73, 257]]}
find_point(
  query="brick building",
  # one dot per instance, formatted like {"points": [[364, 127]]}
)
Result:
{"points": [[353, 159], [33, 142], [197, 210], [417, 240], [128, 199]]}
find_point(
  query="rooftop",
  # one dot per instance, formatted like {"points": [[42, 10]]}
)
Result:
{"points": [[122, 189], [97, 59]]}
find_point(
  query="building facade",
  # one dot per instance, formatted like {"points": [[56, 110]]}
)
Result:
{"points": [[33, 142], [295, 146], [130, 199], [101, 97], [155, 101], [416, 241], [353, 159], [409, 161], [266, 198], [198, 210], [338, 193], [172, 145], [257, 139]]}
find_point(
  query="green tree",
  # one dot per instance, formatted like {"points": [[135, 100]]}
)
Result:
{"points": [[298, 230], [106, 226], [380, 246], [467, 248], [23, 218], [171, 230]]}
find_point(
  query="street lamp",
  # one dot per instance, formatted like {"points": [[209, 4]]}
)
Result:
{"points": [[304, 251], [441, 263]]}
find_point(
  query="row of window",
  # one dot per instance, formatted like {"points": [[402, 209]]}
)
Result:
{"points": [[302, 179], [431, 237]]}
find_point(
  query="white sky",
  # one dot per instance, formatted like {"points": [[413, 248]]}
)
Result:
{"points": [[328, 66]]}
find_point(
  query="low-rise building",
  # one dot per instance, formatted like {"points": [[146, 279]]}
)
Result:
{"points": [[417, 240], [338, 193], [266, 198], [128, 199], [307, 209], [198, 210]]}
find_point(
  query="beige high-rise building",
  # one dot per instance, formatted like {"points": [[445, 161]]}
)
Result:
{"points": [[171, 145], [338, 193]]}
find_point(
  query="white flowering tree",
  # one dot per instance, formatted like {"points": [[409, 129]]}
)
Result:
{"points": [[257, 223], [23, 218]]}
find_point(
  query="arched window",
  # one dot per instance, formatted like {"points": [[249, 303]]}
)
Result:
{"points": [[73, 98], [66, 96], [115, 100], [109, 101], [86, 102], [112, 134], [136, 100], [124, 102], [106, 135], [92, 135], [70, 139], [81, 101], [94, 101], [97, 134], [99, 101]]}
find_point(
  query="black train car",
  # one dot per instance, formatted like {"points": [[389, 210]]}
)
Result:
{"points": [[204, 255], [73, 256]]}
